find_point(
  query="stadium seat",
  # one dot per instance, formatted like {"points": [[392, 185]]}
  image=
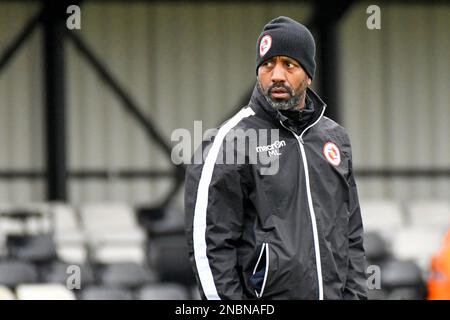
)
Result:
{"points": [[24, 219], [6, 294], [160, 222], [129, 275], [376, 248], [69, 237], [112, 221], [5, 229], [49, 291], [105, 293], [29, 218], [377, 294], [7, 224], [59, 272], [113, 232], [116, 252], [163, 291], [34, 248], [13, 273], [430, 214], [42, 223], [169, 257], [406, 294], [383, 216], [401, 273], [417, 244], [72, 253], [148, 214], [65, 220]]}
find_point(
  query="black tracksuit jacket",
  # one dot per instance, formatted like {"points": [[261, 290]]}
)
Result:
{"points": [[293, 234]]}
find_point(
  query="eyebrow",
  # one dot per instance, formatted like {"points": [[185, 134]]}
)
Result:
{"points": [[288, 59], [284, 59]]}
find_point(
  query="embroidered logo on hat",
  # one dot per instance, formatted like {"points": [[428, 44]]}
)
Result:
{"points": [[332, 153], [264, 45]]}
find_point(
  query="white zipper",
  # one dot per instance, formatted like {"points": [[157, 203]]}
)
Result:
{"points": [[265, 247], [314, 222], [310, 204]]}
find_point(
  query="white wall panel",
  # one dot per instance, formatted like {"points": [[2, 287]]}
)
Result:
{"points": [[186, 62], [180, 63], [21, 143], [395, 96]]}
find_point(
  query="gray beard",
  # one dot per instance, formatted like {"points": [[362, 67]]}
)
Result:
{"points": [[290, 104]]}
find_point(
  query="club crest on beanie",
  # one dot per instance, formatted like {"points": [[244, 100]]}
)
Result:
{"points": [[284, 36]]}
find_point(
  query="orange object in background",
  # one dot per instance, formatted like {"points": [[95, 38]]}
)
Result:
{"points": [[439, 281]]}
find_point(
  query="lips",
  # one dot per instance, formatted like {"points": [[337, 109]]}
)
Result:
{"points": [[279, 93]]}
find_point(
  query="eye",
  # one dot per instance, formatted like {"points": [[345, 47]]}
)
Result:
{"points": [[290, 64], [268, 63]]}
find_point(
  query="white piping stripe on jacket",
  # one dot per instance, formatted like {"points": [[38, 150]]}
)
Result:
{"points": [[265, 247], [201, 206]]}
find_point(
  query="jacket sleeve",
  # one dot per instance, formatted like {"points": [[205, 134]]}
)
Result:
{"points": [[356, 286], [214, 199]]}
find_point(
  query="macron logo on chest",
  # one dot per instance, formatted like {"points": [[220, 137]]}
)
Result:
{"points": [[272, 149]]}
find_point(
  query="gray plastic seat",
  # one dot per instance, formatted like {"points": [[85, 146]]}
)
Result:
{"points": [[34, 248], [169, 256], [58, 272], [377, 294], [130, 275], [163, 291], [13, 273], [105, 293], [406, 294], [44, 291], [375, 247], [401, 273], [163, 221]]}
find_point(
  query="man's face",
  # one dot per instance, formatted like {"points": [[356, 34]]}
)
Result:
{"points": [[283, 82]]}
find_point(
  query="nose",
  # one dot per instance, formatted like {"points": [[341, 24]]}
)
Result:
{"points": [[278, 73]]}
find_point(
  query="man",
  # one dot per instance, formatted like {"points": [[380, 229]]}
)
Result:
{"points": [[291, 234]]}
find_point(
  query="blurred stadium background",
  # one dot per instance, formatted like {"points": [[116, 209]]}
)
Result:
{"points": [[86, 118]]}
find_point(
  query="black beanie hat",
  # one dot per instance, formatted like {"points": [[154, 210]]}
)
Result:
{"points": [[283, 36]]}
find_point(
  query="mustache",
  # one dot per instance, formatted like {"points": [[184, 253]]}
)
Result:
{"points": [[277, 86]]}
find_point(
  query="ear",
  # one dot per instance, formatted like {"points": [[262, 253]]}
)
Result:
{"points": [[309, 81]]}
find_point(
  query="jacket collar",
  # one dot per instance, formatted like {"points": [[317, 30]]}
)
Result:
{"points": [[312, 112]]}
